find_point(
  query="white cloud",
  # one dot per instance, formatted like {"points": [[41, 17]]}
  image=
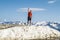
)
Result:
{"points": [[51, 1], [33, 9]]}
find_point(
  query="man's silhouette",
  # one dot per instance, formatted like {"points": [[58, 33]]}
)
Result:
{"points": [[29, 16]]}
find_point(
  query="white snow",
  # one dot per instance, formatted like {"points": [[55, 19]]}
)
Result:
{"points": [[41, 23], [28, 32], [54, 25]]}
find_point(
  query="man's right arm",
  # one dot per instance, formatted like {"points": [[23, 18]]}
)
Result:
{"points": [[28, 9]]}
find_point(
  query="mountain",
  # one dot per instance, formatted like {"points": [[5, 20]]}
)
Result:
{"points": [[53, 25], [10, 22]]}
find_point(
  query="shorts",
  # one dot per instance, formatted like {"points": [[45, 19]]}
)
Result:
{"points": [[29, 18]]}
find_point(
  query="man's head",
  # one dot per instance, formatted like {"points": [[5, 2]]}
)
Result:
{"points": [[30, 10]]}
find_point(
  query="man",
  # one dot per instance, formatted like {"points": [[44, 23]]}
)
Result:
{"points": [[29, 16]]}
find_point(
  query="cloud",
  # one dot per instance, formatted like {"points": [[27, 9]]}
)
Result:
{"points": [[33, 9], [51, 1]]}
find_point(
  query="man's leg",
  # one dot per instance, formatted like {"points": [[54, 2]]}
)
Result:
{"points": [[30, 22], [27, 22]]}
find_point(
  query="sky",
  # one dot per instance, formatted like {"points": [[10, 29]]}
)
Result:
{"points": [[42, 10]]}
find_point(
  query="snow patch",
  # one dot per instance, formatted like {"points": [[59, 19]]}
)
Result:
{"points": [[29, 32]]}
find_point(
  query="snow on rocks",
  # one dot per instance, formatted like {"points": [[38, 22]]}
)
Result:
{"points": [[43, 23], [28, 32]]}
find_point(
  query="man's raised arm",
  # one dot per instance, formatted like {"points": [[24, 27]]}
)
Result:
{"points": [[28, 9]]}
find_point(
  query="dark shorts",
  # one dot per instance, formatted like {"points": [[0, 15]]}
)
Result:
{"points": [[29, 18]]}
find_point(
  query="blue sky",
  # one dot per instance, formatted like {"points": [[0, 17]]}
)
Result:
{"points": [[11, 10]]}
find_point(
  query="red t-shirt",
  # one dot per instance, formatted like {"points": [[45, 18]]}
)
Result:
{"points": [[29, 14]]}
